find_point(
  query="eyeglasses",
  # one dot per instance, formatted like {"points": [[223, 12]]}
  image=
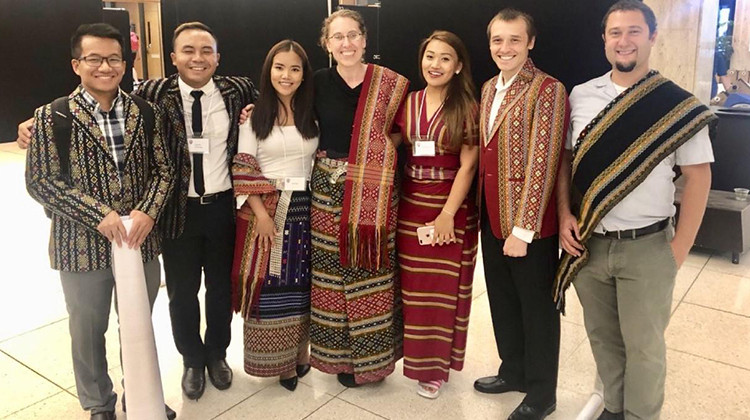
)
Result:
{"points": [[96, 61], [351, 36]]}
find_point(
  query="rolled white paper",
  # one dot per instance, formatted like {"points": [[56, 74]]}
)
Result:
{"points": [[594, 405], [140, 365]]}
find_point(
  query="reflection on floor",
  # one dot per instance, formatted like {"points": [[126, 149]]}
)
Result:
{"points": [[708, 341]]}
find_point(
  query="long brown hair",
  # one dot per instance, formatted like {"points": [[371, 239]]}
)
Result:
{"points": [[266, 109], [460, 103]]}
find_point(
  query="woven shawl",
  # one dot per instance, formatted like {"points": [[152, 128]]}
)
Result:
{"points": [[250, 262], [617, 150], [367, 214]]}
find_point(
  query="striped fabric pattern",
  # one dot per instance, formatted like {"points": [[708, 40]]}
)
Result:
{"points": [[436, 282], [356, 322], [278, 331], [97, 185]]}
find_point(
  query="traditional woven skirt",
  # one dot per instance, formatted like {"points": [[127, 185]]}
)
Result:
{"points": [[356, 324], [436, 281], [278, 331]]}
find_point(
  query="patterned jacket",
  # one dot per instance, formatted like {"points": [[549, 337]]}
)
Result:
{"points": [[165, 94], [95, 188], [520, 152]]}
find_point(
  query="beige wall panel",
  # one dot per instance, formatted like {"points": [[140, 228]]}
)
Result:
{"points": [[741, 38], [684, 46]]}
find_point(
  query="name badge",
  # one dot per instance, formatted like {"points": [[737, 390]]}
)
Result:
{"points": [[198, 145], [424, 148], [295, 183]]}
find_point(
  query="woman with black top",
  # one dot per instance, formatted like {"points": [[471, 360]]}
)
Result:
{"points": [[356, 327]]}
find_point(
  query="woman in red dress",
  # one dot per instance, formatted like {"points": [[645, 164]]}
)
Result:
{"points": [[439, 127]]}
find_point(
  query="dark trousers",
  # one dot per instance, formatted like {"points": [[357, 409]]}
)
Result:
{"points": [[205, 247], [524, 317]]}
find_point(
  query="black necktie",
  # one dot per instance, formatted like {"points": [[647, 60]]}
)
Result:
{"points": [[200, 189]]}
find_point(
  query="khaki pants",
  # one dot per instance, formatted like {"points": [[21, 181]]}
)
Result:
{"points": [[626, 294]]}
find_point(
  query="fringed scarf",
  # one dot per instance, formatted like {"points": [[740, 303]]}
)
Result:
{"points": [[367, 213], [617, 150], [250, 262]]}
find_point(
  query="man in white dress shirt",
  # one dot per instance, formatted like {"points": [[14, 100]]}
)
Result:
{"points": [[629, 128]]}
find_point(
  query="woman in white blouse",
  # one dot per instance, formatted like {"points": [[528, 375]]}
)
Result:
{"points": [[271, 174]]}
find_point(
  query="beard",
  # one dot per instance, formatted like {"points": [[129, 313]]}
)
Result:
{"points": [[625, 67]]}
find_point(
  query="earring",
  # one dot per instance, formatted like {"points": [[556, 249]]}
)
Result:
{"points": [[458, 71]]}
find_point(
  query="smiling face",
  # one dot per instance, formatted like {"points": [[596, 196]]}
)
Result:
{"points": [[195, 57], [439, 63], [627, 42], [347, 51], [286, 74], [510, 45], [102, 80]]}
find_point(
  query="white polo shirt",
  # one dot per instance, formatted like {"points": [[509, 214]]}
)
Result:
{"points": [[653, 199]]}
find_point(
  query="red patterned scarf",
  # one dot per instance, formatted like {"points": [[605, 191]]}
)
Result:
{"points": [[250, 262], [363, 238]]}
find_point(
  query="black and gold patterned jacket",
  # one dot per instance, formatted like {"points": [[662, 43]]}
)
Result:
{"points": [[95, 188], [165, 94]]}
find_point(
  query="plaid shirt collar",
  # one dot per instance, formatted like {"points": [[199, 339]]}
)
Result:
{"points": [[93, 105], [111, 124]]}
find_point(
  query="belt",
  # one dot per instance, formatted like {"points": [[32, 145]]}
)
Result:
{"points": [[209, 198], [635, 233], [340, 166]]}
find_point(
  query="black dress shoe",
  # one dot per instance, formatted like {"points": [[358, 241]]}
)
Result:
{"points": [[347, 379], [220, 374], [289, 383], [103, 415], [302, 370], [608, 415], [193, 382], [495, 385], [528, 412], [171, 414]]}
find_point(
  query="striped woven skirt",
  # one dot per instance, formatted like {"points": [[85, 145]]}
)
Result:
{"points": [[356, 324], [278, 331], [436, 281]]}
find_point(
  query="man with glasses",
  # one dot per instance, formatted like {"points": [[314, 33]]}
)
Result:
{"points": [[112, 166], [201, 133]]}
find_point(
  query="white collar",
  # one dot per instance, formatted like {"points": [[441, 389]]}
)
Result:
{"points": [[185, 89], [502, 86]]}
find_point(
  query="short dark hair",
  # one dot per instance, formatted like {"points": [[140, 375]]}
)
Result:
{"points": [[510, 14], [625, 5], [200, 26], [99, 30]]}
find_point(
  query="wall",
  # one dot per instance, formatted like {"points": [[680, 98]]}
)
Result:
{"points": [[741, 38], [36, 69], [685, 43]]}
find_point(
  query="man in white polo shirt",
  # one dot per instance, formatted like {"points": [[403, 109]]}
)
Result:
{"points": [[629, 128]]}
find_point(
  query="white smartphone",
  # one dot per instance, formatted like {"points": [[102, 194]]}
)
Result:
{"points": [[425, 234]]}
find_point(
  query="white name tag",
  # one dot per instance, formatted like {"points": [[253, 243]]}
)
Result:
{"points": [[198, 145], [424, 148], [295, 183]]}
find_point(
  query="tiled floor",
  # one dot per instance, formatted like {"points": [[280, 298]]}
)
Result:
{"points": [[708, 341]]}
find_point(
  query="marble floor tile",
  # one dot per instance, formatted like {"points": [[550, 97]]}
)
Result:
{"points": [[722, 261], [721, 291], [685, 279], [698, 389], [711, 334], [33, 350], [340, 409], [59, 406], [21, 387], [275, 402], [698, 257]]}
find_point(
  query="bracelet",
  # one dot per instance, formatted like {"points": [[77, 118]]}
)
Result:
{"points": [[448, 213]]}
